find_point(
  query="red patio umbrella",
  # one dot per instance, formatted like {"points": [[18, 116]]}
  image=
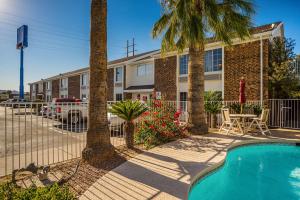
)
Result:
{"points": [[242, 99]]}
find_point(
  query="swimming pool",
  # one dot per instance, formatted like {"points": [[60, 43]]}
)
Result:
{"points": [[258, 172]]}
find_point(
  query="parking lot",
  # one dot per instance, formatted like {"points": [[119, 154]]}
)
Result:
{"points": [[26, 137]]}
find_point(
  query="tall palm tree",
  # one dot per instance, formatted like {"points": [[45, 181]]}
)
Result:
{"points": [[128, 111], [98, 146], [187, 24]]}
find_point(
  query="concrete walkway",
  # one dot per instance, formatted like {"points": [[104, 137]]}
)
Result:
{"points": [[165, 172]]}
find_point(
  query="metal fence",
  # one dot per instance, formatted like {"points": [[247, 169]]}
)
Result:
{"points": [[285, 113], [48, 133]]}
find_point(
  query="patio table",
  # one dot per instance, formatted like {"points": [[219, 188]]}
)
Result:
{"points": [[243, 117]]}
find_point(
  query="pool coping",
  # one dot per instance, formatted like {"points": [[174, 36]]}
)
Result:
{"points": [[207, 171]]}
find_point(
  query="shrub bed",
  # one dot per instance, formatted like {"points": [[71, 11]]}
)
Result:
{"points": [[160, 124], [9, 191]]}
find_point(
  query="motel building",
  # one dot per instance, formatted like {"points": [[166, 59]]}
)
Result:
{"points": [[145, 74]]}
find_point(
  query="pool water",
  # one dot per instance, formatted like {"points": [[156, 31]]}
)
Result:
{"points": [[256, 172]]}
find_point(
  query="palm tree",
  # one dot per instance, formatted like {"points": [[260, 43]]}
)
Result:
{"points": [[187, 24], [129, 111], [98, 146]]}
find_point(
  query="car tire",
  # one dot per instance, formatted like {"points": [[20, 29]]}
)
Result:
{"points": [[74, 118]]}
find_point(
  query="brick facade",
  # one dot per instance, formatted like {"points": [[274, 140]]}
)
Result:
{"points": [[74, 86], [244, 60], [165, 77], [110, 84], [127, 96], [55, 88]]}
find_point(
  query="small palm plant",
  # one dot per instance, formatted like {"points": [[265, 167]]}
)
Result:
{"points": [[129, 111]]}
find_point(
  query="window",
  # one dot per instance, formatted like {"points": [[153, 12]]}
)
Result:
{"points": [[183, 101], [183, 69], [48, 98], [119, 74], [64, 83], [119, 97], [48, 85], [84, 79], [144, 69], [83, 96], [213, 60]]}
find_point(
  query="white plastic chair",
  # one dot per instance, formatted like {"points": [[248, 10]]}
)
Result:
{"points": [[261, 122], [228, 123]]}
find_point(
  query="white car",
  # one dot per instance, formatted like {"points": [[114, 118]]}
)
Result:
{"points": [[74, 113]]}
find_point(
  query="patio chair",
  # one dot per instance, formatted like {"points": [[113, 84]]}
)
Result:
{"points": [[228, 123], [261, 122]]}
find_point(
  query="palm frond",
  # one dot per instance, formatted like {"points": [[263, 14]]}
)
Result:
{"points": [[128, 110]]}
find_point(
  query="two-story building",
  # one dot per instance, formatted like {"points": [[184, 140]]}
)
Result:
{"points": [[142, 75]]}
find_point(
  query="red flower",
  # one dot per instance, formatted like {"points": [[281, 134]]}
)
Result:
{"points": [[146, 113], [177, 114], [151, 127], [163, 124]]}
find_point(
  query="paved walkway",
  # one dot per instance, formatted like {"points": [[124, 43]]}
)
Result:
{"points": [[165, 172]]}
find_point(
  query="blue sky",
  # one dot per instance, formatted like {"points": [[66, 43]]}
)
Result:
{"points": [[59, 32]]}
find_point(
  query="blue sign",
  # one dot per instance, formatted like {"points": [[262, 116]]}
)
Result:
{"points": [[22, 37]]}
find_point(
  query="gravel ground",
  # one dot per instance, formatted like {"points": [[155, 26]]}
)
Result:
{"points": [[86, 174]]}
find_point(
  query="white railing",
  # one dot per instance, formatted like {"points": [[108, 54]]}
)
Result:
{"points": [[46, 133], [285, 113]]}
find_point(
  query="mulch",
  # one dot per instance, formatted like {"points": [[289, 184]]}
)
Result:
{"points": [[85, 175]]}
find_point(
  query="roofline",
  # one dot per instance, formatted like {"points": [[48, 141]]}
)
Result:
{"points": [[253, 37], [86, 69]]}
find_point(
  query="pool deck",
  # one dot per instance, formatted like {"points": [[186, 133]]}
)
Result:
{"points": [[165, 172]]}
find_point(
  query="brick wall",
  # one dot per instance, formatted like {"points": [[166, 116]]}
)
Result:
{"points": [[74, 86], [165, 77], [110, 84], [244, 60], [55, 88], [127, 96]]}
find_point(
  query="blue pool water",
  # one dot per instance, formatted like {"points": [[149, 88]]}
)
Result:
{"points": [[256, 172]]}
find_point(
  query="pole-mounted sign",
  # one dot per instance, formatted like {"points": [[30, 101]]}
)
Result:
{"points": [[22, 42]]}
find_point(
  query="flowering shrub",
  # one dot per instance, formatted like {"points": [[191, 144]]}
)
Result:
{"points": [[160, 124]]}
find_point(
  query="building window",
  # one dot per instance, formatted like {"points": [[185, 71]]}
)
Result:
{"points": [[64, 83], [144, 69], [119, 74], [48, 85], [213, 60], [119, 97], [83, 97], [183, 101], [48, 98], [84, 79], [183, 67]]}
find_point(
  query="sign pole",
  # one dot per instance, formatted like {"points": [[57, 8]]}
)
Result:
{"points": [[21, 95], [22, 42]]}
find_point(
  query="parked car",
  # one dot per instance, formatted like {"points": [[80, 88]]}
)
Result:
{"points": [[16, 103], [74, 111]]}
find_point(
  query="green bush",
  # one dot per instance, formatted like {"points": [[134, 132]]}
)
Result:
{"points": [[9, 191], [213, 102], [160, 124]]}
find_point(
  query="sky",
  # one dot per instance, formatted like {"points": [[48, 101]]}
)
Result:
{"points": [[59, 32]]}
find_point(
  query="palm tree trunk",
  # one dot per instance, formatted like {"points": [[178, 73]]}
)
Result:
{"points": [[129, 133], [98, 146], [196, 121]]}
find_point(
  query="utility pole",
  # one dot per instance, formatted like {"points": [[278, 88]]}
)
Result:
{"points": [[132, 47]]}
